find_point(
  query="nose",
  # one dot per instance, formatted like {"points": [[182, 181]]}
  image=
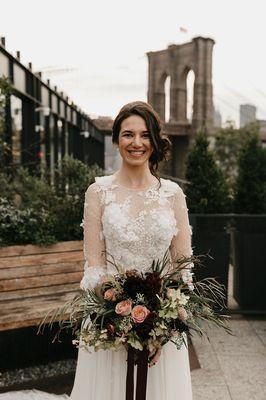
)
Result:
{"points": [[137, 141]]}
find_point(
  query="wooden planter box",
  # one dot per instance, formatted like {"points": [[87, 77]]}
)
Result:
{"points": [[34, 279], [249, 260], [211, 235]]}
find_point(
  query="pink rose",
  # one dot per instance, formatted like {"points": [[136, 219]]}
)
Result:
{"points": [[124, 307], [109, 294], [139, 314]]}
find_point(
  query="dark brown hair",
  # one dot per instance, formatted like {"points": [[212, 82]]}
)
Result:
{"points": [[160, 143]]}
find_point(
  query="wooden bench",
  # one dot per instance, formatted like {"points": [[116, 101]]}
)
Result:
{"points": [[34, 279]]}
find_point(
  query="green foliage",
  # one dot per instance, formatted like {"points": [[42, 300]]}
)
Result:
{"points": [[250, 188], [208, 191], [228, 143], [72, 179], [32, 211], [20, 226]]}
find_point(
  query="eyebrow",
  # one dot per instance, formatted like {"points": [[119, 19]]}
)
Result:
{"points": [[129, 131]]}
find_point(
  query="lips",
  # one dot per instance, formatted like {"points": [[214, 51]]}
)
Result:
{"points": [[137, 152]]}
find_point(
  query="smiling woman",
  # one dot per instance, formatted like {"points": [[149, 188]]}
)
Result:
{"points": [[133, 217]]}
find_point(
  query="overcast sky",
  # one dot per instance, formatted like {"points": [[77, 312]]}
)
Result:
{"points": [[97, 49]]}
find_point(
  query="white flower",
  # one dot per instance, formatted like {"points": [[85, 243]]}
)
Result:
{"points": [[187, 276], [181, 298]]}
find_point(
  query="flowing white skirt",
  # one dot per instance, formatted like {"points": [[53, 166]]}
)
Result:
{"points": [[101, 375]]}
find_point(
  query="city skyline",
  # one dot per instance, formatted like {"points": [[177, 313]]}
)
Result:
{"points": [[98, 51]]}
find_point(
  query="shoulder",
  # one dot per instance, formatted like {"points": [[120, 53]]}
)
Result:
{"points": [[104, 182], [101, 183], [170, 188]]}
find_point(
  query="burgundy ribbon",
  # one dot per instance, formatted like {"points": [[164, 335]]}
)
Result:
{"points": [[142, 373], [130, 374]]}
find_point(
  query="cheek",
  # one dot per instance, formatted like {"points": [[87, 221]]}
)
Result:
{"points": [[123, 143]]}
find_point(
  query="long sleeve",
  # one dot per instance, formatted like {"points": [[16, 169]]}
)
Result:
{"points": [[181, 243], [93, 240]]}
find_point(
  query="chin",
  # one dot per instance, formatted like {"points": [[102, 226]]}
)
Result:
{"points": [[135, 162]]}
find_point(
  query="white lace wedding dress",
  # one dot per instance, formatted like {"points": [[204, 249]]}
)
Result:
{"points": [[134, 226]]}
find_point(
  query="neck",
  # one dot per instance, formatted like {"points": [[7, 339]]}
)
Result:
{"points": [[135, 176]]}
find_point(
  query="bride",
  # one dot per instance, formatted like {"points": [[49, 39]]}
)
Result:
{"points": [[135, 216]]}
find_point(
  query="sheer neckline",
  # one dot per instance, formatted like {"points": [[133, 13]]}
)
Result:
{"points": [[114, 178]]}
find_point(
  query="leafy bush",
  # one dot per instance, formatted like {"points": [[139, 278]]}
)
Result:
{"points": [[23, 226], [208, 191], [32, 211], [250, 188], [228, 143], [72, 179]]}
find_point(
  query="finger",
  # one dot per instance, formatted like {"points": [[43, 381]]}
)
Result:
{"points": [[155, 358]]}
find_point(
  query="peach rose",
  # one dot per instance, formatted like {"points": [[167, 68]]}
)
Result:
{"points": [[109, 294], [124, 307], [139, 314]]}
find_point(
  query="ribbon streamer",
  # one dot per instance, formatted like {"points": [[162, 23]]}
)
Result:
{"points": [[142, 373]]}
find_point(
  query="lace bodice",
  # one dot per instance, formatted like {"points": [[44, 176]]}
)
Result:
{"points": [[133, 226]]}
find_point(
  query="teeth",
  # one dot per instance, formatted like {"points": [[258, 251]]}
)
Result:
{"points": [[137, 152]]}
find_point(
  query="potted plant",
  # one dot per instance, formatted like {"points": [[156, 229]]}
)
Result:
{"points": [[249, 232], [209, 204]]}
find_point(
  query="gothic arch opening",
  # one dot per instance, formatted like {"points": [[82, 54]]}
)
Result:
{"points": [[190, 80]]}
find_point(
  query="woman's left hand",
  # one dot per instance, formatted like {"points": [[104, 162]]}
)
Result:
{"points": [[155, 357]]}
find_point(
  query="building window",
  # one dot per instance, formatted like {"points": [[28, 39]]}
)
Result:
{"points": [[45, 96], [19, 78], [54, 104], [16, 117], [4, 65]]}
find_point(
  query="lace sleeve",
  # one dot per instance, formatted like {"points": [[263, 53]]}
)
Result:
{"points": [[181, 242], [93, 240]]}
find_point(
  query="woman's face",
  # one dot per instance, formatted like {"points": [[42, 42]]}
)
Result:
{"points": [[134, 141]]}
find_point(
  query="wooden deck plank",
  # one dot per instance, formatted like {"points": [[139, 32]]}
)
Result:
{"points": [[40, 281], [27, 307], [39, 291], [41, 259], [33, 312], [14, 251], [40, 270]]}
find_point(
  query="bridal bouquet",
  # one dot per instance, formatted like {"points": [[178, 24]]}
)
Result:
{"points": [[143, 310]]}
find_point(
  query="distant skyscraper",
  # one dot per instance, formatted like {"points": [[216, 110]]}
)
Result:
{"points": [[217, 119], [247, 114]]}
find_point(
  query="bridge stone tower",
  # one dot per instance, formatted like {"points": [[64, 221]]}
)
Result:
{"points": [[176, 62]]}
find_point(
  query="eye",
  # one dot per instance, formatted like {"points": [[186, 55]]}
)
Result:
{"points": [[127, 134], [146, 135]]}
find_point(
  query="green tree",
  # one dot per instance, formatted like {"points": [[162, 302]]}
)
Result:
{"points": [[250, 187], [228, 143], [208, 191]]}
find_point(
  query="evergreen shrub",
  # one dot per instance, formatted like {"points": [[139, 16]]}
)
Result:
{"points": [[207, 191], [250, 187]]}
